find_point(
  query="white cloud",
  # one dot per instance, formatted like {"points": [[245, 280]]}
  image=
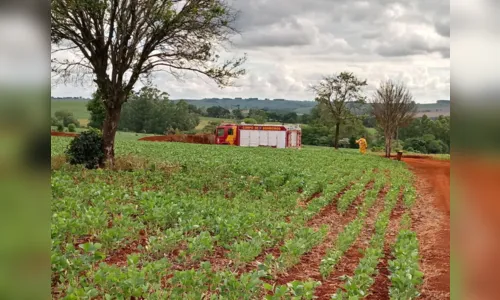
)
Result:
{"points": [[291, 44]]}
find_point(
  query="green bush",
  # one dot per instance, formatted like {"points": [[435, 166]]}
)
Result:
{"points": [[60, 127], [54, 121], [86, 149], [250, 121], [71, 127], [66, 118], [416, 144]]}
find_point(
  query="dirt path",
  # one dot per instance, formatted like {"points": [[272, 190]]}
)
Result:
{"points": [[431, 221]]}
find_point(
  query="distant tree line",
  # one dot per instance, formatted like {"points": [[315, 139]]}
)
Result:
{"points": [[150, 111]]}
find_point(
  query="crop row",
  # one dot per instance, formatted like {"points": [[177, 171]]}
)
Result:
{"points": [[405, 275], [351, 231], [358, 286], [125, 232]]}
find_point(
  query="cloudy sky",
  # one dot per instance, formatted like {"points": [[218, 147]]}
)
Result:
{"points": [[291, 44]]}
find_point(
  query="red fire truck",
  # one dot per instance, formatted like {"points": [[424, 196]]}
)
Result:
{"points": [[259, 135]]}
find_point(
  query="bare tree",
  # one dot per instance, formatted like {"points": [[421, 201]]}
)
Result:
{"points": [[115, 43], [393, 108], [334, 93]]}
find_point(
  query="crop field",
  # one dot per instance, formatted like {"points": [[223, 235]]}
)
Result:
{"points": [[220, 222]]}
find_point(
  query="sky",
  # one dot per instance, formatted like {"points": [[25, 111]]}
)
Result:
{"points": [[290, 45]]}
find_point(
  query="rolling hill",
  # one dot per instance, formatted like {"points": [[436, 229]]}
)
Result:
{"points": [[78, 105]]}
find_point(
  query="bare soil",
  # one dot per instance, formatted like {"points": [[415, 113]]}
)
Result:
{"points": [[309, 264], [380, 288], [350, 260], [63, 134], [181, 138]]}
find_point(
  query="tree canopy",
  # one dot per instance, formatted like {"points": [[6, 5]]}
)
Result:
{"points": [[115, 43], [334, 92]]}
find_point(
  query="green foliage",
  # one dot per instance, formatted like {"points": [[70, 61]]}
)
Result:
{"points": [[208, 203], [211, 126], [426, 144], [427, 135], [406, 278], [150, 111], [218, 112], [54, 121], [259, 115], [293, 290], [65, 117], [97, 111], [304, 240], [86, 149], [71, 127], [60, 127], [237, 114], [250, 121]]}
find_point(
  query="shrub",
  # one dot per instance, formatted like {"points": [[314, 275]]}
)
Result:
{"points": [[436, 146], [60, 127], [86, 149], [416, 144], [71, 127], [66, 118], [250, 121], [54, 121]]}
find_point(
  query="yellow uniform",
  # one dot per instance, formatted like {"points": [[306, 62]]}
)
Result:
{"points": [[362, 145]]}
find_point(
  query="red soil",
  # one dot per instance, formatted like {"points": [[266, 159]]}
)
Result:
{"points": [[380, 288], [64, 134], [308, 267], [431, 221], [351, 258], [181, 138]]}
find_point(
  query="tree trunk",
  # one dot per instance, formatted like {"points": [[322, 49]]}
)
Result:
{"points": [[336, 140], [109, 128], [388, 142]]}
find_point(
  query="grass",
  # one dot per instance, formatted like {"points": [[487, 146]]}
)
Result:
{"points": [[120, 135], [77, 107]]}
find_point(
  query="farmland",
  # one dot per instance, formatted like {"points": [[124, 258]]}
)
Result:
{"points": [[185, 221]]}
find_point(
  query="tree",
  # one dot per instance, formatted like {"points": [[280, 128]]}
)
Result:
{"points": [[334, 92], [65, 117], [218, 112], [150, 111], [249, 121], [291, 117], [237, 114], [118, 42], [393, 107], [259, 115]]}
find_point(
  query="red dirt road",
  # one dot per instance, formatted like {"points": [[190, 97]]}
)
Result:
{"points": [[64, 134], [431, 222], [181, 138]]}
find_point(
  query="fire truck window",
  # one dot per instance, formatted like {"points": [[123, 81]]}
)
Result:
{"points": [[220, 132], [230, 132]]}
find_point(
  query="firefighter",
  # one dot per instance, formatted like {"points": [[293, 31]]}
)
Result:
{"points": [[362, 144]]}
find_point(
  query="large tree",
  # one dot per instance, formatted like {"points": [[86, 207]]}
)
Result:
{"points": [[118, 42], [393, 107], [337, 94]]}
